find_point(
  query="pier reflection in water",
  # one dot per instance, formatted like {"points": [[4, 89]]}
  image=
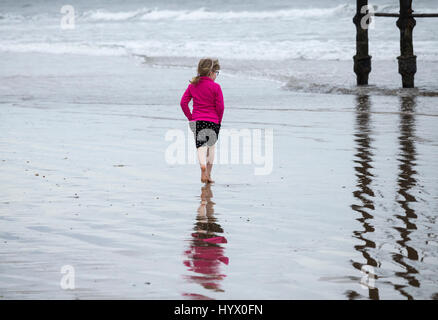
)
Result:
{"points": [[406, 181], [205, 257], [404, 255], [364, 193]]}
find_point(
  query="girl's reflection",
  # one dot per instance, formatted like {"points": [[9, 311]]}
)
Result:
{"points": [[206, 254]]}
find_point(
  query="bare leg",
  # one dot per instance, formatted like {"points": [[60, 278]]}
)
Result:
{"points": [[210, 159], [202, 157]]}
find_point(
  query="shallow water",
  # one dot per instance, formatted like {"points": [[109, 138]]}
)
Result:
{"points": [[353, 184], [308, 45]]}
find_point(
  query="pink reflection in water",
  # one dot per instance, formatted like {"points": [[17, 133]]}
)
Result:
{"points": [[205, 255]]}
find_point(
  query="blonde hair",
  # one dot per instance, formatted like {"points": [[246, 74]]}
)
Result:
{"points": [[205, 66]]}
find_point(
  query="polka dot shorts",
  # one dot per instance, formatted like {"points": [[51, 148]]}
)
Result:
{"points": [[206, 132]]}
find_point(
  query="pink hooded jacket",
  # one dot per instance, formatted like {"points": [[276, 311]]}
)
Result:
{"points": [[208, 101]]}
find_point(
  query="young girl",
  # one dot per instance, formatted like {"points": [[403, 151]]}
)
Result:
{"points": [[208, 109]]}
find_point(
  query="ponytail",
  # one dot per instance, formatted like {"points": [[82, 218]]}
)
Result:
{"points": [[195, 80]]}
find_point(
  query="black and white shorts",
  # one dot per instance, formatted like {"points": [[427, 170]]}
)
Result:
{"points": [[206, 132]]}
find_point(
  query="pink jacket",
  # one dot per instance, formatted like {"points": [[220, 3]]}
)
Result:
{"points": [[208, 101]]}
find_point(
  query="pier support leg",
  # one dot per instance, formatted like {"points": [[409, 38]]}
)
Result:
{"points": [[362, 61], [407, 61]]}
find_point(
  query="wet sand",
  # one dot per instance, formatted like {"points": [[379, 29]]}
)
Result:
{"points": [[85, 183]]}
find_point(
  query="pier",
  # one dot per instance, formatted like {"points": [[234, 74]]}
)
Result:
{"points": [[407, 61]]}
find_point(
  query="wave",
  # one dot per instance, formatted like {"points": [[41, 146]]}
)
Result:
{"points": [[325, 88], [395, 8], [233, 49], [322, 77], [11, 18], [347, 10], [299, 75], [203, 14], [103, 15], [152, 14], [65, 48]]}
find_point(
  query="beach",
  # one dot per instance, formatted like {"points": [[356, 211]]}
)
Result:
{"points": [[100, 186], [85, 183]]}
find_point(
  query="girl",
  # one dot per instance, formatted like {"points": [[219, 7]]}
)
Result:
{"points": [[208, 109]]}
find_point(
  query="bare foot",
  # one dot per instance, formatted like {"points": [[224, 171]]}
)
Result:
{"points": [[209, 180], [209, 167], [204, 177]]}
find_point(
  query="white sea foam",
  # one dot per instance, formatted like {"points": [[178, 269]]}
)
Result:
{"points": [[145, 14], [64, 48], [233, 49], [262, 37], [102, 15], [10, 18], [203, 14]]}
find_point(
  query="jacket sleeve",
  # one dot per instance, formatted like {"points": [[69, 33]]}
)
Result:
{"points": [[219, 103], [187, 96]]}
